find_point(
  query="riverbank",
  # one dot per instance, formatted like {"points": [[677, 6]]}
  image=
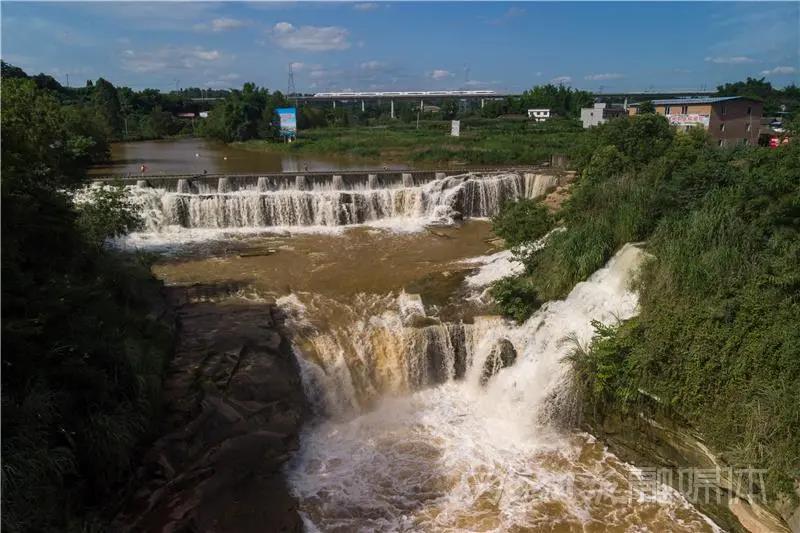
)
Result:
{"points": [[717, 336], [234, 406], [482, 142]]}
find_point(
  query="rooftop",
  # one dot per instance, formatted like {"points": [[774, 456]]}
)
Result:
{"points": [[698, 100]]}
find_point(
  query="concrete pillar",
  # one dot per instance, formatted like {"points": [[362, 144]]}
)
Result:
{"points": [[372, 181], [440, 175], [392, 104], [300, 183], [408, 179], [337, 182], [142, 184], [263, 185], [223, 185], [183, 186], [362, 106]]}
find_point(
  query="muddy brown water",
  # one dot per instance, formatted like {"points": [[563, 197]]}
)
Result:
{"points": [[195, 156], [353, 289]]}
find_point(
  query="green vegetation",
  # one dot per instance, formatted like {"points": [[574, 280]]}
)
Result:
{"points": [[775, 100], [244, 115], [120, 113], [482, 141], [83, 348], [718, 335]]}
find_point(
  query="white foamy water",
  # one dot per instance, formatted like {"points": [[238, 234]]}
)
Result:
{"points": [[185, 216], [459, 456]]}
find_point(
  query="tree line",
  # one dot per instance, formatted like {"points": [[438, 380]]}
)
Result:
{"points": [[83, 352]]}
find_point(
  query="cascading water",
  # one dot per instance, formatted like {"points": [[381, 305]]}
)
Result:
{"points": [[414, 450], [322, 204]]}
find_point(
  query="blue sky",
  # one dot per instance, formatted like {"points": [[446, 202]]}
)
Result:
{"points": [[406, 45]]}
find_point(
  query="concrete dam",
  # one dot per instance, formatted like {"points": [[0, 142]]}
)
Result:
{"points": [[341, 199]]}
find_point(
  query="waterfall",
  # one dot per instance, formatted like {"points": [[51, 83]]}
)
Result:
{"points": [[378, 346], [441, 446], [326, 204]]}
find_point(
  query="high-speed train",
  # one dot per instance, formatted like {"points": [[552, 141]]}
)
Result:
{"points": [[403, 93]]}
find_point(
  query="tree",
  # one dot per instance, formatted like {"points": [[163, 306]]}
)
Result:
{"points": [[107, 106], [37, 142], [646, 108]]}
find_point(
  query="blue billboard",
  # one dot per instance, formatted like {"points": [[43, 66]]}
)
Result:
{"points": [[288, 116]]}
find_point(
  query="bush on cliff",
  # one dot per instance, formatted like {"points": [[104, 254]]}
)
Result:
{"points": [[718, 334]]}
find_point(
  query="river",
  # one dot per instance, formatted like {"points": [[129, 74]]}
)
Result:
{"points": [[430, 413], [196, 156]]}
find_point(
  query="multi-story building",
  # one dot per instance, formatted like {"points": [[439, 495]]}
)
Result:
{"points": [[600, 113], [730, 120]]}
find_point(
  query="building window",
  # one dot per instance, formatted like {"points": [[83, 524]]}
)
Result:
{"points": [[685, 110], [666, 110]]}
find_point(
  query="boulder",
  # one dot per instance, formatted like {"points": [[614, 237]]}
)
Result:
{"points": [[503, 354]]}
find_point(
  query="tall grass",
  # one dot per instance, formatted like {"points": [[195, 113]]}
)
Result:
{"points": [[718, 336], [482, 142]]}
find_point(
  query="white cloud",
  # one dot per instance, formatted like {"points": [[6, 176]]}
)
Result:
{"points": [[373, 65], [205, 55], [168, 58], [479, 83], [604, 76], [441, 74], [220, 24], [310, 38], [561, 80], [510, 14], [729, 60], [779, 71], [321, 73], [365, 6]]}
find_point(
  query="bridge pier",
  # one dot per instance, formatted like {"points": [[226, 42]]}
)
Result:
{"points": [[408, 179], [300, 183]]}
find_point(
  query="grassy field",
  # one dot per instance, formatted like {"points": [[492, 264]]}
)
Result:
{"points": [[482, 142]]}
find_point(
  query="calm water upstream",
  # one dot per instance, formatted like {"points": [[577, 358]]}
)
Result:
{"points": [[416, 427], [193, 156]]}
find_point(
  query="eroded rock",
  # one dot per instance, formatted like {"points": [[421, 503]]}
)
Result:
{"points": [[503, 354]]}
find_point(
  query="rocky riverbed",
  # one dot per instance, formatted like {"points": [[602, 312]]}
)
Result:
{"points": [[234, 405]]}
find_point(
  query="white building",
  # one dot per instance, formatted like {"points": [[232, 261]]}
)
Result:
{"points": [[539, 115], [600, 113]]}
